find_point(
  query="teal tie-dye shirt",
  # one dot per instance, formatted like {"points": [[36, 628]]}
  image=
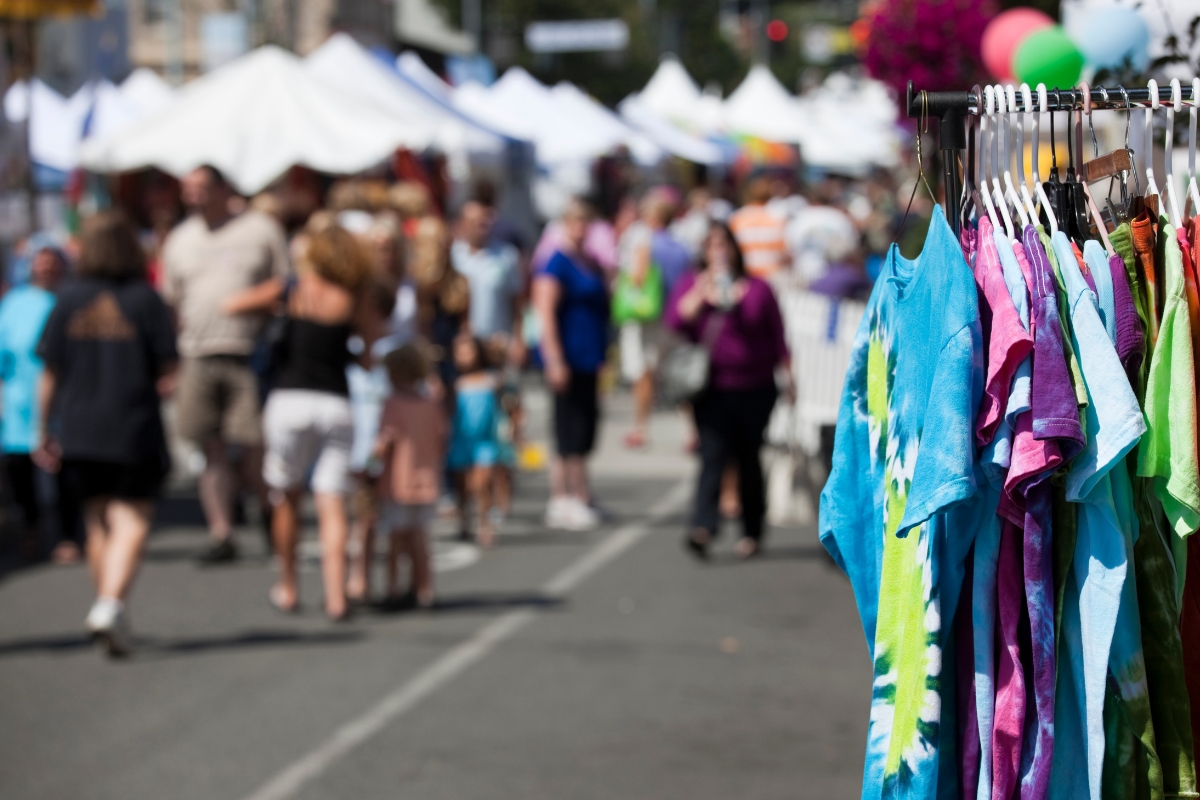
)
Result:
{"points": [[892, 512]]}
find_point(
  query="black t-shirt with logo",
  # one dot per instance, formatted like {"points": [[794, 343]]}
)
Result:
{"points": [[108, 342]]}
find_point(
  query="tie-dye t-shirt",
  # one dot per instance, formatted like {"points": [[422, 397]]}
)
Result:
{"points": [[892, 512]]}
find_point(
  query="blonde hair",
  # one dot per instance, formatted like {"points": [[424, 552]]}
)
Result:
{"points": [[336, 255]]}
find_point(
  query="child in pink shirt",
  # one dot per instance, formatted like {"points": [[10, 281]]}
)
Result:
{"points": [[412, 447]]}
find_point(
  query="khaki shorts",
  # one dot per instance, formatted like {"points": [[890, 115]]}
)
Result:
{"points": [[640, 344], [218, 399]]}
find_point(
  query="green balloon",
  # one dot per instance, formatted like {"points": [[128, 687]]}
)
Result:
{"points": [[1048, 56]]}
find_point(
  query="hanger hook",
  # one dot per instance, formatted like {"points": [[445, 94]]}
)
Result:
{"points": [[1053, 144], [922, 125], [1092, 119], [1128, 114]]}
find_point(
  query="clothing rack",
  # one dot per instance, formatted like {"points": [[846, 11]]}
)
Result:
{"points": [[952, 108]]}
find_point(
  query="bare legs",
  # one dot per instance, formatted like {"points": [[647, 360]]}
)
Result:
{"points": [[643, 403], [216, 490], [413, 542], [331, 523], [116, 533], [361, 550], [480, 485], [220, 483], [479, 480], [575, 479]]}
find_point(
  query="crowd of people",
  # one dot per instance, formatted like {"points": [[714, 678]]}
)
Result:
{"points": [[373, 358]]}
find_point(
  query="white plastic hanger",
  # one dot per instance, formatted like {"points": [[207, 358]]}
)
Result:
{"points": [[1038, 188], [1095, 212], [1169, 163], [1193, 192], [1026, 104], [1148, 140], [1010, 190], [985, 125], [1001, 205]]}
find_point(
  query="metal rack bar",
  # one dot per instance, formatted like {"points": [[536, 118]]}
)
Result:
{"points": [[1103, 97]]}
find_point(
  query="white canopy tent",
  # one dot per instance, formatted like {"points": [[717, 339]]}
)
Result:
{"points": [[853, 125], [522, 107], [345, 65], [114, 108], [410, 65], [674, 140], [253, 118], [596, 116], [760, 106], [846, 125], [56, 124], [672, 95]]}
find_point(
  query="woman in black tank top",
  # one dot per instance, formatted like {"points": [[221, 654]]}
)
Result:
{"points": [[307, 422]]}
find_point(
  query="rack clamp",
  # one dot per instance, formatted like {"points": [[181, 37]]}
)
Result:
{"points": [[951, 109]]}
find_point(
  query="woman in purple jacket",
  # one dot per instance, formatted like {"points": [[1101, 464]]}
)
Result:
{"points": [[738, 317]]}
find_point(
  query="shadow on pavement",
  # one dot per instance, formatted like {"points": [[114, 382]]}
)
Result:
{"points": [[158, 648], [497, 600], [806, 552]]}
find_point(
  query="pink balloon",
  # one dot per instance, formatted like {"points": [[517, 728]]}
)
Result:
{"points": [[1004, 34]]}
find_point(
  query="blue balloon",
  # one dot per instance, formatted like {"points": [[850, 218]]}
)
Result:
{"points": [[1110, 37]]}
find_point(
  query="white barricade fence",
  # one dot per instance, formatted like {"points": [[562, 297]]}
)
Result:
{"points": [[820, 333]]}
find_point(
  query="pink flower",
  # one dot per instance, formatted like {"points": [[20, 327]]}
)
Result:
{"points": [[934, 43]]}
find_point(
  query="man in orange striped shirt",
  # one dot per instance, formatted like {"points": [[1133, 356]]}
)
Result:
{"points": [[760, 232]]}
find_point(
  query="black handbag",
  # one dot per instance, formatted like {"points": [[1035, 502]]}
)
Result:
{"points": [[269, 350]]}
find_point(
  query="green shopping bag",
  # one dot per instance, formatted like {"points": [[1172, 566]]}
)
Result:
{"points": [[633, 303]]}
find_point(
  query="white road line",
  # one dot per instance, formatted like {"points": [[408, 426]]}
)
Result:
{"points": [[292, 779]]}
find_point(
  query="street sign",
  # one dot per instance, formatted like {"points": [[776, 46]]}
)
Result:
{"points": [[577, 35]]}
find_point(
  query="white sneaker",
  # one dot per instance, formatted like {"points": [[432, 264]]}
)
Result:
{"points": [[558, 513], [581, 516], [110, 626]]}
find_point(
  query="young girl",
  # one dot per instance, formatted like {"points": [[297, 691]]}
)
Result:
{"points": [[411, 446], [475, 444]]}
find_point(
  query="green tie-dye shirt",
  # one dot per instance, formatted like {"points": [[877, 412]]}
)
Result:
{"points": [[893, 514]]}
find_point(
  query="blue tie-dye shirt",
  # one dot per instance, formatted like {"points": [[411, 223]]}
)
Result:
{"points": [[892, 512]]}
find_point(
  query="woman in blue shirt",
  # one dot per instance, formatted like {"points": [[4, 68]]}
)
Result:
{"points": [[571, 299], [23, 314]]}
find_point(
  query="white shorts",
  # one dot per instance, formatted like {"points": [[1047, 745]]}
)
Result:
{"points": [[639, 348], [307, 431], [405, 516]]}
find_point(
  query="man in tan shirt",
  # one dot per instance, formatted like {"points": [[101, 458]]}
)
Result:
{"points": [[209, 257]]}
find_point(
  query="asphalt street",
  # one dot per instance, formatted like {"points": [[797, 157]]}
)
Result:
{"points": [[559, 665]]}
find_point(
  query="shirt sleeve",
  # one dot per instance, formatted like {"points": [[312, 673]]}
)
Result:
{"points": [[160, 332], [849, 509], [773, 318], [944, 473], [278, 251], [1114, 419], [52, 347], [172, 282], [671, 316], [1168, 450]]}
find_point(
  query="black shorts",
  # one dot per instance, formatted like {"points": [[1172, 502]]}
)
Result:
{"points": [[92, 479], [576, 414]]}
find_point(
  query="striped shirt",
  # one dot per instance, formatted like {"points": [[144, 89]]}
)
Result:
{"points": [[760, 234]]}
